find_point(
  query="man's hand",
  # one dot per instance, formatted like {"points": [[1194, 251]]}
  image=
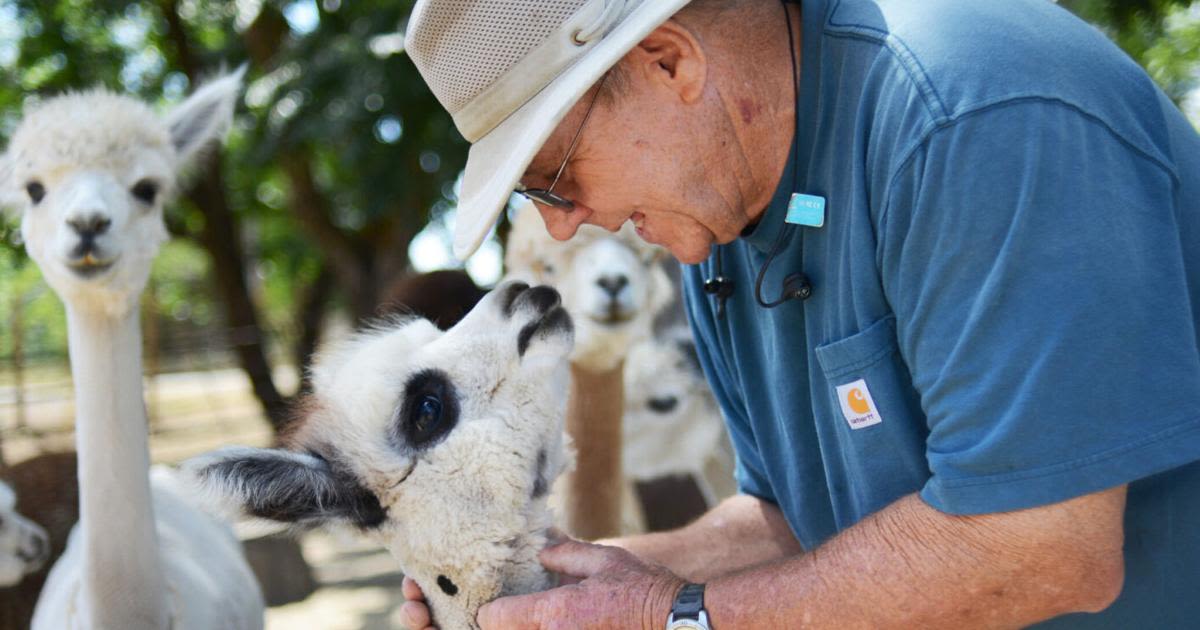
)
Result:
{"points": [[615, 590], [414, 614]]}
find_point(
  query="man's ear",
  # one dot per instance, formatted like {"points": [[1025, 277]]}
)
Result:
{"points": [[282, 486], [206, 116], [672, 55]]}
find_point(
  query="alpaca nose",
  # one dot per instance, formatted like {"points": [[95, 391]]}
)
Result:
{"points": [[89, 226], [37, 549], [612, 284]]}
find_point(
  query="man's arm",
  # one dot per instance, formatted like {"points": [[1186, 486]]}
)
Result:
{"points": [[913, 566], [907, 566], [741, 532]]}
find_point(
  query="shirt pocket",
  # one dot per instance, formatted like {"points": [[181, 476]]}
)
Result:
{"points": [[870, 422]]}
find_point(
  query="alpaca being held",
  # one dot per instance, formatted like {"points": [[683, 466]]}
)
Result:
{"points": [[90, 172], [24, 545], [441, 446], [613, 287]]}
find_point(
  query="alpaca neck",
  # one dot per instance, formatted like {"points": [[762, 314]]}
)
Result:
{"points": [[122, 581], [595, 405]]}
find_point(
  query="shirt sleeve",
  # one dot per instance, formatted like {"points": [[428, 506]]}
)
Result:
{"points": [[749, 471], [1033, 258]]}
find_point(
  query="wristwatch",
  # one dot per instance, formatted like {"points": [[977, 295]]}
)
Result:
{"points": [[687, 613]]}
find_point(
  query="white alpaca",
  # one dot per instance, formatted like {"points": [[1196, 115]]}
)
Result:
{"points": [[672, 423], [613, 287], [439, 445], [90, 172], [24, 545], [610, 283]]}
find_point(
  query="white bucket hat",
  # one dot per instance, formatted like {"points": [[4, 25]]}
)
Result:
{"points": [[508, 71]]}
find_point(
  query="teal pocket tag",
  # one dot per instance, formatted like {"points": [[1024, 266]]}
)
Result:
{"points": [[806, 210]]}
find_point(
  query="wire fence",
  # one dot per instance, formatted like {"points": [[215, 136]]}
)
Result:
{"points": [[196, 397]]}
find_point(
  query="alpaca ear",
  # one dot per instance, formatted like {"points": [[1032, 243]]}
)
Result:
{"points": [[281, 486], [9, 195], [206, 115]]}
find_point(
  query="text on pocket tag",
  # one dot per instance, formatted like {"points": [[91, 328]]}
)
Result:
{"points": [[857, 405]]}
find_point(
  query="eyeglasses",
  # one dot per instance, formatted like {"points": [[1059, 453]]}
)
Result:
{"points": [[547, 196]]}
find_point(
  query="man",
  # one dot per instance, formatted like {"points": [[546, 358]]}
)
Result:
{"points": [[945, 276]]}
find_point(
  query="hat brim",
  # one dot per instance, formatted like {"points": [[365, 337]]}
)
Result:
{"points": [[497, 161]]}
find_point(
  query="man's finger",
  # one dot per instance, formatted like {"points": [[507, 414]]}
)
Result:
{"points": [[577, 559], [415, 615], [511, 613], [411, 591]]}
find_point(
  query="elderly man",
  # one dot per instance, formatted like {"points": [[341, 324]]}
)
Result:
{"points": [[944, 276]]}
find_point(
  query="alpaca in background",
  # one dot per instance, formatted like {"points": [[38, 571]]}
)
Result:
{"points": [[613, 286], [24, 545], [90, 172]]}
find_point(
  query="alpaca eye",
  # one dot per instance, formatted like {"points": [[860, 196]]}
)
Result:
{"points": [[663, 404], [428, 412], [36, 191], [145, 191], [427, 415]]}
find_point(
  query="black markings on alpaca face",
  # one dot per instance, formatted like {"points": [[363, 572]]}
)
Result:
{"points": [[662, 404], [447, 586], [556, 320], [509, 298], [428, 410]]}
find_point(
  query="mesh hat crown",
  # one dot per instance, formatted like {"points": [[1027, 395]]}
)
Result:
{"points": [[507, 71]]}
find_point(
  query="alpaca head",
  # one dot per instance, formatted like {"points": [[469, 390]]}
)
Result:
{"points": [[671, 419], [611, 283], [440, 445], [24, 545], [90, 172]]}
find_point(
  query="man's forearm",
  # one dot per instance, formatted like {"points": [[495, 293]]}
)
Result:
{"points": [[740, 532], [912, 566]]}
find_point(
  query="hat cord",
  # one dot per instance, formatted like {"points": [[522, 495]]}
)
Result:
{"points": [[612, 9]]}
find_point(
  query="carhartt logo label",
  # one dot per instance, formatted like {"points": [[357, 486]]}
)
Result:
{"points": [[857, 406]]}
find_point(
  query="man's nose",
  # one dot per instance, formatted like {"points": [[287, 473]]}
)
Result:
{"points": [[562, 224]]}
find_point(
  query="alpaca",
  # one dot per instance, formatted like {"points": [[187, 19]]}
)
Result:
{"points": [[24, 545], [90, 172], [47, 492], [446, 462], [613, 287], [672, 423]]}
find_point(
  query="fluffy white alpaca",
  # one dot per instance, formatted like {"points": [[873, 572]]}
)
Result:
{"points": [[672, 423], [439, 445], [24, 545], [90, 172], [610, 283]]}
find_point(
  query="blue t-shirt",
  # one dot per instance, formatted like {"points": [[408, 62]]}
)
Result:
{"points": [[1006, 287]]}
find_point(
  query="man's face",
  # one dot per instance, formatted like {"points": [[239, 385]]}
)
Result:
{"points": [[649, 169]]}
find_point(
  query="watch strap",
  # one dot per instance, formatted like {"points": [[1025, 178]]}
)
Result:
{"points": [[689, 602]]}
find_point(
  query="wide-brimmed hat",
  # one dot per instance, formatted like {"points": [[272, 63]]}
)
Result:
{"points": [[508, 71]]}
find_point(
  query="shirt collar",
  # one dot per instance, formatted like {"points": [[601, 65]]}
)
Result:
{"points": [[762, 235]]}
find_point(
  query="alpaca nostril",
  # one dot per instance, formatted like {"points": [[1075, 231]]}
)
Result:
{"points": [[509, 295], [613, 284], [90, 226], [38, 548]]}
